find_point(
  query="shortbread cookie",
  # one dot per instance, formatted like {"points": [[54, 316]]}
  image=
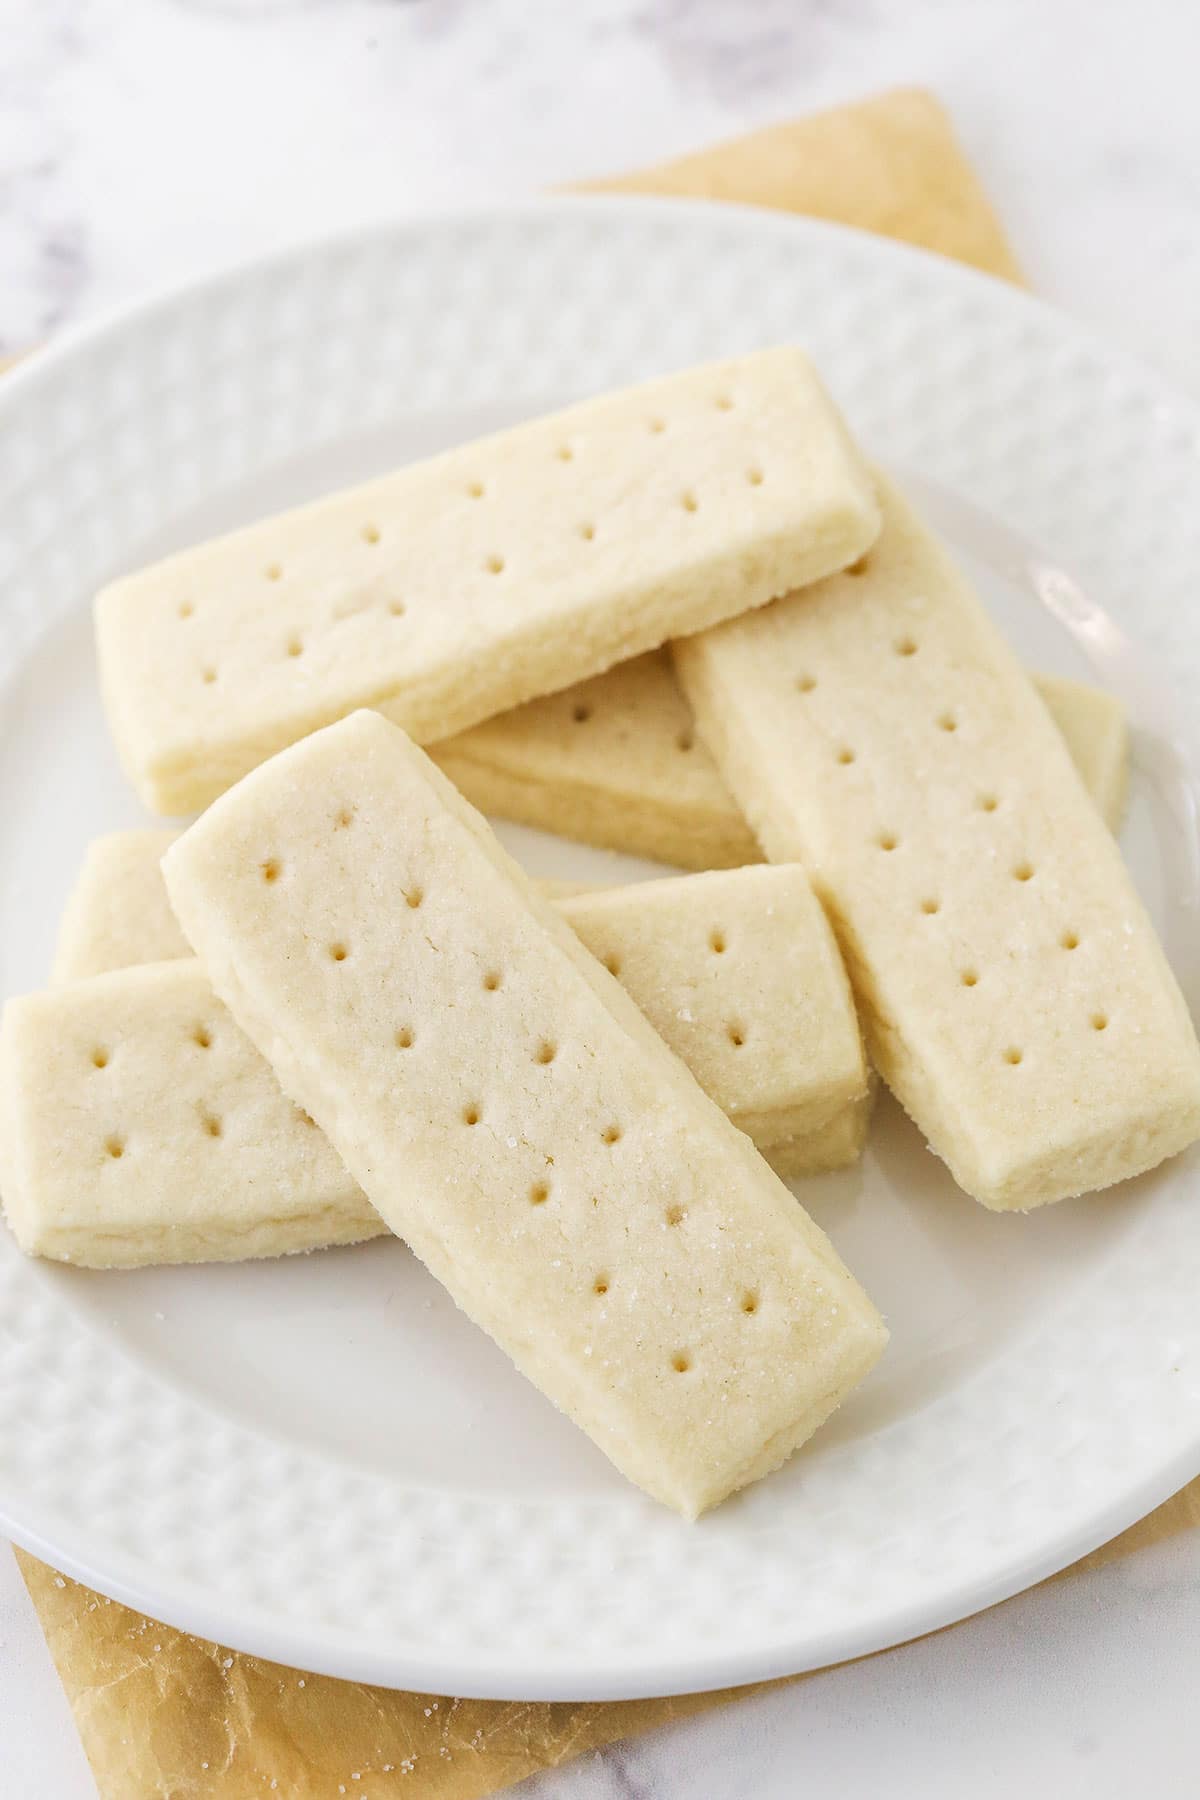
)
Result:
{"points": [[456, 588], [739, 974], [616, 761], [511, 1114], [1013, 992], [139, 1125], [737, 971], [118, 913], [830, 1147], [1095, 729]]}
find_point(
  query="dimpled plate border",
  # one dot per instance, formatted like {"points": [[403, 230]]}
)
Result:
{"points": [[1084, 1424]]}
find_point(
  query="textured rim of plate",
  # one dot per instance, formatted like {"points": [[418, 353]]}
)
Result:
{"points": [[1094, 1415]]}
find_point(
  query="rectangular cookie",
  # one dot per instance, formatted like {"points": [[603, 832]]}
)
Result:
{"points": [[118, 914], [455, 588], [510, 1113], [171, 1061], [1095, 728], [139, 1125], [737, 971], [616, 761], [833, 1146], [1013, 993]]}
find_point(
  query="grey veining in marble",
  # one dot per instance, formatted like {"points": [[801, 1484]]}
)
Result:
{"points": [[147, 140], [752, 54], [43, 228]]}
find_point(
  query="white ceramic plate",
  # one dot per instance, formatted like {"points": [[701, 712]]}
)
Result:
{"points": [[320, 1460]]}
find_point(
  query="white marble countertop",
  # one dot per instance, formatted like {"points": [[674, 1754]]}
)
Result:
{"points": [[144, 141]]}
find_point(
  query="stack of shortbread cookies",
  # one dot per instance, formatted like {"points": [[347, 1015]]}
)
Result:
{"points": [[686, 621]]}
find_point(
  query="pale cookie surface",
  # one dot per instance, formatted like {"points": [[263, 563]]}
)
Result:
{"points": [[614, 761], [830, 1147], [118, 913], [1095, 729], [737, 971], [511, 567], [617, 761], [141, 1126], [1012, 990], [511, 1113], [739, 974]]}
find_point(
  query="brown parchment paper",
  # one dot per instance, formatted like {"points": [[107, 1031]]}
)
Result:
{"points": [[890, 164], [174, 1717], [164, 1716]]}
